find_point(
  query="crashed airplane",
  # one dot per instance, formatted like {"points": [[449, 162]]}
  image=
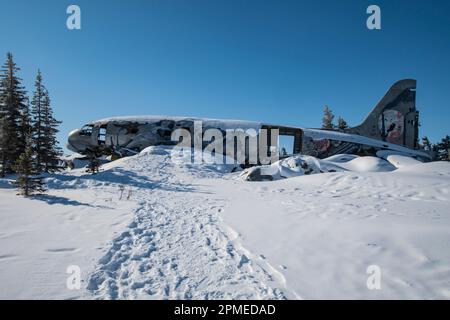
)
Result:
{"points": [[391, 125]]}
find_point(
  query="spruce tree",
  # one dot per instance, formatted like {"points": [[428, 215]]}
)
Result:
{"points": [[14, 113], [28, 180], [5, 147], [37, 113], [25, 125], [443, 149], [327, 120], [426, 144], [342, 124], [50, 148]]}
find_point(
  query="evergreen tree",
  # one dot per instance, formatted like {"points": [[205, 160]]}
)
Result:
{"points": [[25, 124], [14, 113], [443, 148], [342, 124], [5, 146], [327, 120], [93, 165], [51, 150], [37, 112], [426, 144], [28, 182]]}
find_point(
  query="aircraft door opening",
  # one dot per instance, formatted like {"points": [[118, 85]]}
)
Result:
{"points": [[286, 145], [289, 140], [102, 135]]}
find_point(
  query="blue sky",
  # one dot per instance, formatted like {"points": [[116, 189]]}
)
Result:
{"points": [[271, 61]]}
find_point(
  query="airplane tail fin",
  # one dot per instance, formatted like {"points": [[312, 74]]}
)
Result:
{"points": [[394, 119]]}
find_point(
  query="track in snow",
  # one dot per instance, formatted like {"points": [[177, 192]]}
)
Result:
{"points": [[177, 247]]}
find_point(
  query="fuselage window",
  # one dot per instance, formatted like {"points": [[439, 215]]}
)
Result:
{"points": [[86, 131]]}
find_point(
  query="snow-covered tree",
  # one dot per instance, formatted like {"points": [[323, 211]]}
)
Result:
{"points": [[327, 120]]}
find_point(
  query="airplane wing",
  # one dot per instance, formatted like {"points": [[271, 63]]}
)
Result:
{"points": [[317, 134]]}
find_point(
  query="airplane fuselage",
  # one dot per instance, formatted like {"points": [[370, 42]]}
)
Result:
{"points": [[391, 125], [123, 136]]}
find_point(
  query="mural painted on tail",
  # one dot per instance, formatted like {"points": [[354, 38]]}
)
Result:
{"points": [[390, 124]]}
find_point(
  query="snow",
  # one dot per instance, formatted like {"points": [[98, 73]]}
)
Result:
{"points": [[197, 231], [367, 164], [299, 165], [41, 237], [323, 231], [397, 159]]}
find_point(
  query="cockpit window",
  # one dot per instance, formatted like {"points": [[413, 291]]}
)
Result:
{"points": [[86, 130]]}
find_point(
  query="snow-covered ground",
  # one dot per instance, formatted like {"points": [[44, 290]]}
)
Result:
{"points": [[40, 239], [149, 228]]}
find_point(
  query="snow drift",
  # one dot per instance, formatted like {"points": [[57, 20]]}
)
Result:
{"points": [[300, 165]]}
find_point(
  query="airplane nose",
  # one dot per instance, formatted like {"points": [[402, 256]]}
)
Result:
{"points": [[73, 140]]}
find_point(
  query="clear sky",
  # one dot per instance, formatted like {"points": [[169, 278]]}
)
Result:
{"points": [[267, 60]]}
